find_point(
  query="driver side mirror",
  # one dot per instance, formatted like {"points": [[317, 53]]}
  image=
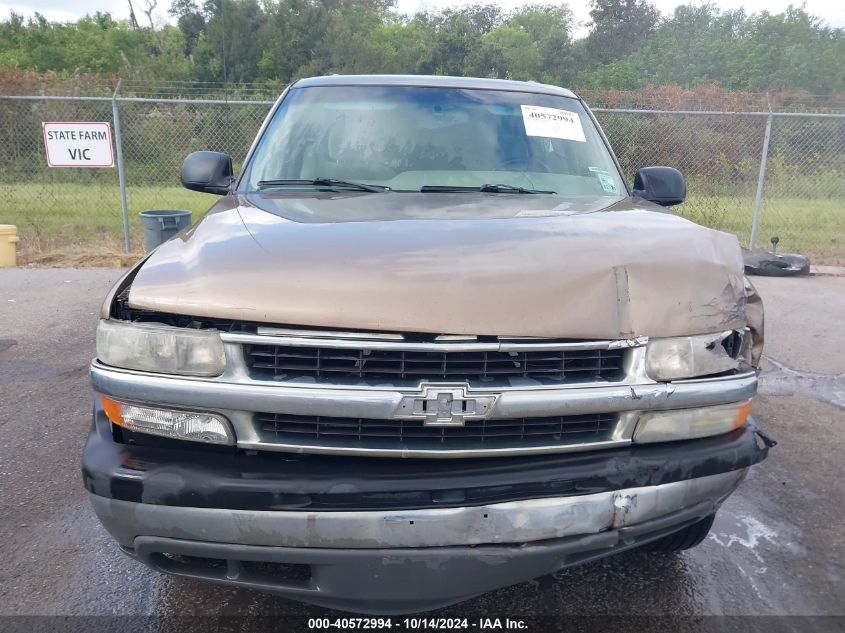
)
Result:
{"points": [[662, 185], [209, 172]]}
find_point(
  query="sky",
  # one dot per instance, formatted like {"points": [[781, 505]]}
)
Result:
{"points": [[831, 11]]}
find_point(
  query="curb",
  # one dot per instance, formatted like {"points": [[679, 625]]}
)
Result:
{"points": [[830, 271]]}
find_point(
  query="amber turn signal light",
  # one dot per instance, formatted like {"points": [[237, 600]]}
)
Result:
{"points": [[211, 428]]}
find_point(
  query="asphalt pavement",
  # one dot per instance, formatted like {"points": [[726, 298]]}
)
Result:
{"points": [[777, 547]]}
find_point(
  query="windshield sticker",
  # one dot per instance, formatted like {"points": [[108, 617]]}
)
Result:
{"points": [[607, 183], [552, 123]]}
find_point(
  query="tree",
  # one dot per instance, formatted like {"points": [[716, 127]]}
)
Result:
{"points": [[456, 35], [619, 27], [701, 44], [410, 49], [548, 26], [293, 37], [277, 41], [133, 21], [350, 47], [231, 48], [506, 52], [190, 21]]}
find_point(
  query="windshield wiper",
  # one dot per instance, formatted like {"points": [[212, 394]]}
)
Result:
{"points": [[483, 188], [323, 182], [510, 189]]}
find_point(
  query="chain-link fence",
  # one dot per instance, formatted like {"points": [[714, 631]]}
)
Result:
{"points": [[801, 187], [799, 178], [64, 212]]}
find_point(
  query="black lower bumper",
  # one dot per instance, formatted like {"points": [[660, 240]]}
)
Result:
{"points": [[392, 581], [195, 477]]}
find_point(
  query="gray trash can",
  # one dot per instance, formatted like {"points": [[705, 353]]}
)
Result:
{"points": [[162, 224]]}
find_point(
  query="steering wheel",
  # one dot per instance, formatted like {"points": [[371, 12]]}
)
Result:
{"points": [[523, 161]]}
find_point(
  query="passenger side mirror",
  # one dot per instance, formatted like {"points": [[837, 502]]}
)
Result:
{"points": [[209, 172], [662, 185]]}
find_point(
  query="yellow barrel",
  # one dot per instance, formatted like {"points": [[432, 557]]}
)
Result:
{"points": [[8, 245]]}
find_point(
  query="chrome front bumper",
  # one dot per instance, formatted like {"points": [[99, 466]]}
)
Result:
{"points": [[238, 397], [400, 562], [514, 522]]}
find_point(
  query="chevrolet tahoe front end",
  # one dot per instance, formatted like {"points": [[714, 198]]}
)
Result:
{"points": [[385, 394]]}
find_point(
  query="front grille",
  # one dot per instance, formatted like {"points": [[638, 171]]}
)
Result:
{"points": [[414, 434], [287, 363]]}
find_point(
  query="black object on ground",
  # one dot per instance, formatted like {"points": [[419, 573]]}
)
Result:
{"points": [[760, 262]]}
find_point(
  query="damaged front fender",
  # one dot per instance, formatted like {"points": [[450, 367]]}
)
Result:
{"points": [[755, 315]]}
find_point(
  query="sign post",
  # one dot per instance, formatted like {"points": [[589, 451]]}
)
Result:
{"points": [[121, 177]]}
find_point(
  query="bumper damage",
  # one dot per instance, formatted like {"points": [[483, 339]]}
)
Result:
{"points": [[363, 535], [393, 581]]}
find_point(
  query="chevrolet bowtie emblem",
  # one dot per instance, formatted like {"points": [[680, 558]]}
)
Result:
{"points": [[444, 405]]}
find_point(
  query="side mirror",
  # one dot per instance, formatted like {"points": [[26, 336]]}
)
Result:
{"points": [[209, 172], [662, 185]]}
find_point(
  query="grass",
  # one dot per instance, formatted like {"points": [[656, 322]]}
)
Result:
{"points": [[815, 228], [81, 224]]}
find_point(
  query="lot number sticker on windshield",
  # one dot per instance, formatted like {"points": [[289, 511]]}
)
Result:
{"points": [[552, 123]]}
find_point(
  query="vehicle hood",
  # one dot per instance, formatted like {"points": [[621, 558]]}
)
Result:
{"points": [[479, 264]]}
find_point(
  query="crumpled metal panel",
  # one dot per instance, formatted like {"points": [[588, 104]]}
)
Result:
{"points": [[754, 313], [457, 264]]}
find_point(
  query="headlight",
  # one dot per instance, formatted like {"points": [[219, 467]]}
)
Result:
{"points": [[179, 425], [687, 424], [160, 348], [692, 356]]}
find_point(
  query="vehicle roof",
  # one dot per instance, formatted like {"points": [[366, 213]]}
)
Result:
{"points": [[434, 81]]}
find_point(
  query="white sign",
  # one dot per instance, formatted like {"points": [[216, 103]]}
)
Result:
{"points": [[79, 144], [552, 123]]}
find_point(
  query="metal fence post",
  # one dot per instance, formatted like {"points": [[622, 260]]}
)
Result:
{"points": [[121, 175], [761, 179]]}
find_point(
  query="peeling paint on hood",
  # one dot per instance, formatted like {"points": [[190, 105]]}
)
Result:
{"points": [[481, 264]]}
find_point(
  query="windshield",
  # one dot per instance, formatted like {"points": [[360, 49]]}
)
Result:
{"points": [[433, 139]]}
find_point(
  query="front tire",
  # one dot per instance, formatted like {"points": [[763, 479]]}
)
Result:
{"points": [[686, 538]]}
